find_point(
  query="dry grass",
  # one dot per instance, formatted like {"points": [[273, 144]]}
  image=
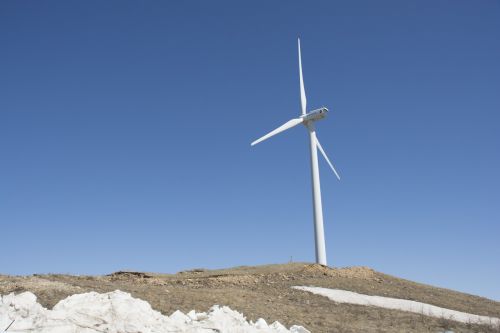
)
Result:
{"points": [[265, 291]]}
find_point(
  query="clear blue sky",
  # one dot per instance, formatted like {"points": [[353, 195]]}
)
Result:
{"points": [[125, 132]]}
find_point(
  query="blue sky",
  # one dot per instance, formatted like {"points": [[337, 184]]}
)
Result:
{"points": [[125, 132]]}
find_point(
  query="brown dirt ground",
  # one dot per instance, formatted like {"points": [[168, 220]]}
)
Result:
{"points": [[265, 291]]}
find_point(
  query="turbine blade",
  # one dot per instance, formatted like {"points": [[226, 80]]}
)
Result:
{"points": [[303, 100], [284, 127], [326, 158]]}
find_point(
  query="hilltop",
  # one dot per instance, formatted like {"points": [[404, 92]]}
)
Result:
{"points": [[265, 292]]}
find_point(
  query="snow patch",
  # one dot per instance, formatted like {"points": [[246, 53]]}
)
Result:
{"points": [[343, 296], [119, 312]]}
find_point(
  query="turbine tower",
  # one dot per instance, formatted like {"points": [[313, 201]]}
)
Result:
{"points": [[308, 119]]}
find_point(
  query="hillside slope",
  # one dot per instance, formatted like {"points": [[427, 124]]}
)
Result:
{"points": [[265, 291]]}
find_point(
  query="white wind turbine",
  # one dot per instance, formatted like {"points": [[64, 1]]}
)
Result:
{"points": [[308, 119]]}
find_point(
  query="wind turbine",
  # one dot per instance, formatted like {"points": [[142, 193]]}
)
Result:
{"points": [[308, 119]]}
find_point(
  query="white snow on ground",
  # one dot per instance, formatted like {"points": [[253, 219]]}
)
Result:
{"points": [[119, 312], [343, 296]]}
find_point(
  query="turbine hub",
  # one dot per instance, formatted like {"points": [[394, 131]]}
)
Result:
{"points": [[315, 114]]}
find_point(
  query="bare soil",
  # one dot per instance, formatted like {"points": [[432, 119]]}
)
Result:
{"points": [[265, 292]]}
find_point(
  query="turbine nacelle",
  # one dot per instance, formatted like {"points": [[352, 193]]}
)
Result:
{"points": [[315, 115]]}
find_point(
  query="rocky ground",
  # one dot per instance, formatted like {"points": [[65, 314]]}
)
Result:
{"points": [[265, 292]]}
